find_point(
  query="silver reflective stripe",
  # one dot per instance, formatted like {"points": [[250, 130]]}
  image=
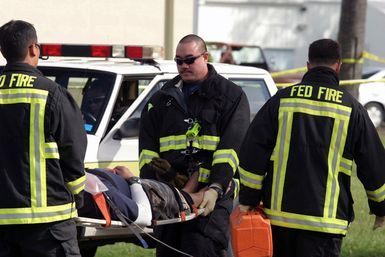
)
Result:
{"points": [[250, 180], [316, 108], [306, 222], [173, 142], [280, 158], [51, 150], [226, 156], [35, 214], [37, 156], [74, 188], [376, 196], [22, 95], [208, 142], [334, 167], [345, 165]]}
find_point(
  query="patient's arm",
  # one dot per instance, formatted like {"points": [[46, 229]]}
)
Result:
{"points": [[192, 184]]}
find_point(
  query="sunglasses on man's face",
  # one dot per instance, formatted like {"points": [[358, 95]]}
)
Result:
{"points": [[187, 60]]}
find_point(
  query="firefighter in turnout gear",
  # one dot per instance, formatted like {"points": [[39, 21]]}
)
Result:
{"points": [[42, 150], [297, 158], [196, 123]]}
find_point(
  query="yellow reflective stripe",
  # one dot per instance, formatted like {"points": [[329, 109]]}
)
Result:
{"points": [[249, 179], [51, 151], [336, 148], [341, 114], [37, 214], [317, 108], [281, 150], [226, 156], [175, 142], [23, 95], [204, 175], [346, 166], [206, 142], [76, 186], [377, 195], [146, 157], [179, 142], [307, 222]]}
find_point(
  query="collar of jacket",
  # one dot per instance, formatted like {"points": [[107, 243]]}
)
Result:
{"points": [[207, 85], [22, 67], [321, 76]]}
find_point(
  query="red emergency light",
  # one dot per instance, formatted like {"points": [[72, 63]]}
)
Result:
{"points": [[77, 50], [133, 52], [106, 51]]}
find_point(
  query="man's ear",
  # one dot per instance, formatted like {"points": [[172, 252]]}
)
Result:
{"points": [[33, 51], [338, 66], [308, 65]]}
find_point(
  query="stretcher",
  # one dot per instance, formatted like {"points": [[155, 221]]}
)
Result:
{"points": [[90, 228]]}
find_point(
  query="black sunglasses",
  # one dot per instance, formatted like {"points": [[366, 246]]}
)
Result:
{"points": [[187, 60]]}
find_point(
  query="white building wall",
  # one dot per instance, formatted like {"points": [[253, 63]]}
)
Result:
{"points": [[100, 21]]}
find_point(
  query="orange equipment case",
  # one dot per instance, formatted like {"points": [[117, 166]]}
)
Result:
{"points": [[250, 234]]}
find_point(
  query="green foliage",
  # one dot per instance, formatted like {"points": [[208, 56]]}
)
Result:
{"points": [[124, 249]]}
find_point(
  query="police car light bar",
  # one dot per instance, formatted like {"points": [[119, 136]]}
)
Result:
{"points": [[106, 51]]}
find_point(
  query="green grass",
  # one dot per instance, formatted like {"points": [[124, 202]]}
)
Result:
{"points": [[361, 240]]}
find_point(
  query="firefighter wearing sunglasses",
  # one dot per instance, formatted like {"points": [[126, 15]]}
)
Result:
{"points": [[195, 123]]}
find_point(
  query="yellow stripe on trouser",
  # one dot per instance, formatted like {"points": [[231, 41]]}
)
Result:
{"points": [[341, 115]]}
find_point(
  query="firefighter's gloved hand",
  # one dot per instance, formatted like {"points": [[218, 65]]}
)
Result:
{"points": [[179, 181], [245, 208], [163, 169], [209, 199], [379, 222]]}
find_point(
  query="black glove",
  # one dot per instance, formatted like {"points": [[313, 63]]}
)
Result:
{"points": [[165, 172], [163, 169]]}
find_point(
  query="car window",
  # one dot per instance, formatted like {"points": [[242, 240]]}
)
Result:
{"points": [[90, 89], [138, 111], [129, 91], [256, 92]]}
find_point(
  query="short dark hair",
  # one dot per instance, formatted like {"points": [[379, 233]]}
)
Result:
{"points": [[15, 38], [194, 38], [324, 52]]}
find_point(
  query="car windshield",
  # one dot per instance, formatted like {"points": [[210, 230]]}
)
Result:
{"points": [[90, 89]]}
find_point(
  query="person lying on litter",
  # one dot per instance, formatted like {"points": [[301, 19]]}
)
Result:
{"points": [[140, 200]]}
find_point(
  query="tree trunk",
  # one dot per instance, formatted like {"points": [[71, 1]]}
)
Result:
{"points": [[351, 36]]}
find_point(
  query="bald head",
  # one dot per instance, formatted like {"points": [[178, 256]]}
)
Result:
{"points": [[196, 39]]}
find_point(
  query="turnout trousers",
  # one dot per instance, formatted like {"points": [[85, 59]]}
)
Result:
{"points": [[57, 239], [289, 242], [201, 237]]}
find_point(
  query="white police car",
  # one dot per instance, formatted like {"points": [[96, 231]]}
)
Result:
{"points": [[372, 96]]}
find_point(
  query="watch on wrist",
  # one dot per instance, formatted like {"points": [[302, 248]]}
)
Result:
{"points": [[218, 189], [133, 180]]}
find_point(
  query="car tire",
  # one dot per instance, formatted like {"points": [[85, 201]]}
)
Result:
{"points": [[376, 113]]}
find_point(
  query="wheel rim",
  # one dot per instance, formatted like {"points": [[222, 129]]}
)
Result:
{"points": [[375, 115]]}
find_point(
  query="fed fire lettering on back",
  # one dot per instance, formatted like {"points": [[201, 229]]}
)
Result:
{"points": [[324, 93], [18, 80]]}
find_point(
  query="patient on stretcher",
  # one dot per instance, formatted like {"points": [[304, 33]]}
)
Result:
{"points": [[139, 202]]}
